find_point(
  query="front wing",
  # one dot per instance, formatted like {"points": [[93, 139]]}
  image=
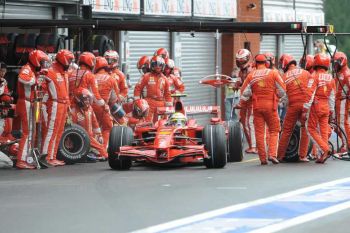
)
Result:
{"points": [[190, 153]]}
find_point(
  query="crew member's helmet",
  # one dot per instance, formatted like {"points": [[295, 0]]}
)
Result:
{"points": [[242, 58], [169, 66], [88, 59], [140, 108], [307, 63], [285, 61], [65, 58], [162, 52], [157, 64], [143, 64], [112, 58], [322, 61], [83, 98], [101, 63], [270, 59], [39, 60], [340, 60]]}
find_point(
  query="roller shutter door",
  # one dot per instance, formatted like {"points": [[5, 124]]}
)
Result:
{"points": [[198, 61], [268, 44], [144, 43], [293, 45]]}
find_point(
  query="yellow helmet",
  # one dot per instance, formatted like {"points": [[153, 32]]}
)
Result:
{"points": [[178, 119]]}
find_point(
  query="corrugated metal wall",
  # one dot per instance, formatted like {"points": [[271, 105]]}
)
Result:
{"points": [[198, 61], [15, 10], [144, 43], [293, 45], [268, 44]]}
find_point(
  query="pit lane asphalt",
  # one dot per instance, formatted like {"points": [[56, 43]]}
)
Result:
{"points": [[93, 198]]}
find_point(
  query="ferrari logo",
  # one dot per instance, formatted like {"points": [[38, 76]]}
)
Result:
{"points": [[151, 80], [297, 82], [261, 83], [324, 89]]}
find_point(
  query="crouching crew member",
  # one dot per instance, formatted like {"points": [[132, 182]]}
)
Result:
{"points": [[83, 115]]}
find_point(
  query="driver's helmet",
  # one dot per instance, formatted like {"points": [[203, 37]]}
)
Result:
{"points": [[178, 119]]}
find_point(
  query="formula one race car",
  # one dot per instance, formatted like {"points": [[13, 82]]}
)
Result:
{"points": [[165, 142]]}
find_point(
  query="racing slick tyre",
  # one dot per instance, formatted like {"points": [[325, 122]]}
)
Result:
{"points": [[214, 139], [119, 136], [74, 145], [292, 149], [234, 142], [50, 42], [25, 43]]}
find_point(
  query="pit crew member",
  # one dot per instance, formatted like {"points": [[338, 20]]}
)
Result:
{"points": [[320, 106], [264, 86], [156, 87], [298, 86]]}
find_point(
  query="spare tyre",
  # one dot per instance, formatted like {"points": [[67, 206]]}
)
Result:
{"points": [[74, 144], [292, 149], [25, 43], [234, 142]]}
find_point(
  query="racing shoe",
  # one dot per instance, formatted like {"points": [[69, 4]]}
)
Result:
{"points": [[263, 162], [59, 162], [24, 165], [274, 160], [323, 158], [281, 159], [53, 162], [304, 160], [91, 158], [101, 159], [251, 150]]}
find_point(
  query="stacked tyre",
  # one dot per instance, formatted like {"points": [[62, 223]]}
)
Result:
{"points": [[7, 44], [25, 43], [50, 43], [98, 44]]}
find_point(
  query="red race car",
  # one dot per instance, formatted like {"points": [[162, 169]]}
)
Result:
{"points": [[170, 140]]}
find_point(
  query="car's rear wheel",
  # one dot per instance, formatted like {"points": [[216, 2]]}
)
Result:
{"points": [[234, 142], [214, 139], [119, 136]]}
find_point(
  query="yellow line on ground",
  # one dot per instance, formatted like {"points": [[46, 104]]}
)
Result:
{"points": [[250, 160]]}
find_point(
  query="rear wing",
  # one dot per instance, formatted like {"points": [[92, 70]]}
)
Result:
{"points": [[191, 110]]}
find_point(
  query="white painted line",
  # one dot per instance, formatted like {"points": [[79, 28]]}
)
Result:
{"points": [[214, 213], [303, 218], [233, 188]]}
